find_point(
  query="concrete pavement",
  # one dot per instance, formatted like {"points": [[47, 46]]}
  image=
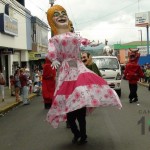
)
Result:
{"points": [[10, 101]]}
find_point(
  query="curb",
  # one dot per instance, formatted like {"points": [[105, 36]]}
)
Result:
{"points": [[14, 104], [143, 84]]}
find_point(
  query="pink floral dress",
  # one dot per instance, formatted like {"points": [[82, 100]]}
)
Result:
{"points": [[77, 86]]}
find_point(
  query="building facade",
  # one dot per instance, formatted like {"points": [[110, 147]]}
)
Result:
{"points": [[21, 36], [39, 43]]}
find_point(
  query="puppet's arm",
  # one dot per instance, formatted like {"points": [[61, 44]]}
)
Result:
{"points": [[52, 55], [86, 42]]}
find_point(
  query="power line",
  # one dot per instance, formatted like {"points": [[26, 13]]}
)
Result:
{"points": [[111, 13]]}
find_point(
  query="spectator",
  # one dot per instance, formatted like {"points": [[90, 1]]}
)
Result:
{"points": [[12, 85], [24, 86], [143, 70], [17, 85], [36, 78], [2, 83], [147, 76], [30, 85], [36, 89]]}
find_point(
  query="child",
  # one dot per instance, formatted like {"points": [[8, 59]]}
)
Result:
{"points": [[30, 85], [12, 85]]}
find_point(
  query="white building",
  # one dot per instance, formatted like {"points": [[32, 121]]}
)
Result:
{"points": [[20, 33]]}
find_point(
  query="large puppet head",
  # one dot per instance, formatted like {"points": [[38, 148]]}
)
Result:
{"points": [[71, 26], [57, 18], [133, 55]]}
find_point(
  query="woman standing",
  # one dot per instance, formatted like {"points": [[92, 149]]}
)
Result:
{"points": [[12, 88], [17, 85], [2, 83]]}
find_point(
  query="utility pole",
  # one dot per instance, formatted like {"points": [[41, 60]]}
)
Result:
{"points": [[147, 27], [141, 35], [52, 3]]}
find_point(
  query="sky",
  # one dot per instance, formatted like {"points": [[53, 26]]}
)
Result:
{"points": [[113, 20]]}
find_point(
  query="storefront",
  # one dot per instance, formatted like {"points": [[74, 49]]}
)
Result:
{"points": [[5, 57], [36, 60]]}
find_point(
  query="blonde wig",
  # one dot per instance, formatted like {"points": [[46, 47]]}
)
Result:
{"points": [[50, 14]]}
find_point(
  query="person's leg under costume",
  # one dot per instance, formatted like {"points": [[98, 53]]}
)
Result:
{"points": [[133, 93], [80, 116], [135, 87]]}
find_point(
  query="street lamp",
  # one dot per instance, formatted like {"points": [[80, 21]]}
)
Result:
{"points": [[51, 2]]}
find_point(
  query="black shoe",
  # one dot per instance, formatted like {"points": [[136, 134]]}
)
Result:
{"points": [[75, 139], [130, 100], [47, 105], [135, 100], [82, 141]]}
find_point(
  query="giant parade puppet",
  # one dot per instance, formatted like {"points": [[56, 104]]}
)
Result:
{"points": [[133, 73], [78, 89]]}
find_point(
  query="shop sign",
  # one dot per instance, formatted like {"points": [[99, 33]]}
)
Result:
{"points": [[7, 51], [142, 19], [8, 25], [36, 56]]}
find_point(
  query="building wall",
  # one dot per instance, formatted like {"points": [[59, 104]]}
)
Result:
{"points": [[19, 41], [122, 55], [22, 43]]}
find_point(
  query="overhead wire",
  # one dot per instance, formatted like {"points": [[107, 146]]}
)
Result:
{"points": [[88, 21], [111, 13]]}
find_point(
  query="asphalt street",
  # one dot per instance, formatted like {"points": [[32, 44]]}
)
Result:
{"points": [[25, 128]]}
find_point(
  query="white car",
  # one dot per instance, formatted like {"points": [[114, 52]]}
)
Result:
{"points": [[110, 69]]}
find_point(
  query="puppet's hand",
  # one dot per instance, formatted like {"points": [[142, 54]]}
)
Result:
{"points": [[55, 64], [94, 44]]}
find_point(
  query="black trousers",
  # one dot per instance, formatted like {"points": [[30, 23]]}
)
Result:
{"points": [[80, 116], [133, 91]]}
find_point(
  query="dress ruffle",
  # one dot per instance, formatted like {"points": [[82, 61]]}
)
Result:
{"points": [[89, 91]]}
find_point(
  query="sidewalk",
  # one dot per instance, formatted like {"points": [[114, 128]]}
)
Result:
{"points": [[10, 101]]}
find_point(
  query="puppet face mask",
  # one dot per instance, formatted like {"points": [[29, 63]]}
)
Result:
{"points": [[57, 18], [60, 19]]}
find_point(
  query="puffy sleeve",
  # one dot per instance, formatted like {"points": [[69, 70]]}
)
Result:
{"points": [[52, 52]]}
